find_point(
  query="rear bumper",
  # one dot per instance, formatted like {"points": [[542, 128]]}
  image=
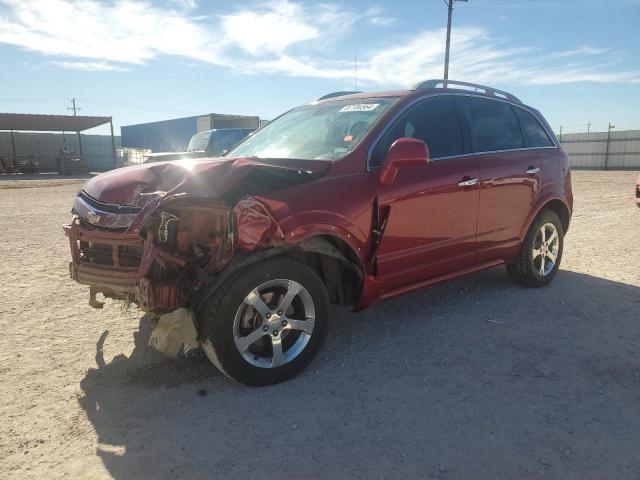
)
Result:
{"points": [[122, 281]]}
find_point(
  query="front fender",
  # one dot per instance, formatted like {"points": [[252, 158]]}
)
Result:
{"points": [[304, 232]]}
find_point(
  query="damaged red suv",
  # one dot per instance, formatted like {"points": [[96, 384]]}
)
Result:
{"points": [[347, 200]]}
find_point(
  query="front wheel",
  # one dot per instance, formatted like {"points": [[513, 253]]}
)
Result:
{"points": [[266, 322], [539, 257]]}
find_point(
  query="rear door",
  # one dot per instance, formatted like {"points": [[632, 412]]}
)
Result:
{"points": [[536, 137], [431, 226], [510, 174]]}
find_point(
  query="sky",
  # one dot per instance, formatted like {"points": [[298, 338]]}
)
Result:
{"points": [[139, 60]]}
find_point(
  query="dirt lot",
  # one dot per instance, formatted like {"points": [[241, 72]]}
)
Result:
{"points": [[474, 379]]}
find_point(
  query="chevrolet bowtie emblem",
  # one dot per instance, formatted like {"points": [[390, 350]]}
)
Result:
{"points": [[93, 217]]}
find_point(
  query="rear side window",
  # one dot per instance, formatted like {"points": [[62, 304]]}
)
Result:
{"points": [[493, 125], [534, 134], [434, 121]]}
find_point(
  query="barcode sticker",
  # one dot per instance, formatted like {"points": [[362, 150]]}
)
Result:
{"points": [[360, 107]]}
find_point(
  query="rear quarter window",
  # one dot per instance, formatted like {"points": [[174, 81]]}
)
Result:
{"points": [[535, 134]]}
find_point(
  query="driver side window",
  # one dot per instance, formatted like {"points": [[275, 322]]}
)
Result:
{"points": [[434, 121]]}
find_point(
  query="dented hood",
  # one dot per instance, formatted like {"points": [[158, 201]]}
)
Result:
{"points": [[203, 177]]}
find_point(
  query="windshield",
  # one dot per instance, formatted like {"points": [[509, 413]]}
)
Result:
{"points": [[199, 142], [324, 131]]}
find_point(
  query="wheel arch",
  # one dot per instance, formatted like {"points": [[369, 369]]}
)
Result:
{"points": [[336, 262], [557, 205], [332, 258], [562, 210]]}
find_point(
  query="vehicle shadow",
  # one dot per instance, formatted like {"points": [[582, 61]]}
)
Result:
{"points": [[476, 378], [146, 367]]}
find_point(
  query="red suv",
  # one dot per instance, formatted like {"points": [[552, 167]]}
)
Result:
{"points": [[347, 200]]}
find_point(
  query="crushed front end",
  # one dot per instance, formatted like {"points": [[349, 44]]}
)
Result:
{"points": [[152, 256], [156, 234]]}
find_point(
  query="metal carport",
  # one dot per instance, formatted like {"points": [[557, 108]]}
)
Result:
{"points": [[52, 123]]}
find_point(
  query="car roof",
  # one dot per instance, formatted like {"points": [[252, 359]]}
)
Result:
{"points": [[363, 95], [417, 92]]}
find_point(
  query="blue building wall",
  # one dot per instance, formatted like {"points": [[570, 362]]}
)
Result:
{"points": [[164, 136]]}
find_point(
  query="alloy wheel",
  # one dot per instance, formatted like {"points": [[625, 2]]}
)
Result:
{"points": [[274, 323], [545, 249]]}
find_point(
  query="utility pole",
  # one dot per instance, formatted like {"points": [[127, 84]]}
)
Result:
{"points": [[113, 143], [449, 4], [75, 114], [13, 150], [73, 107], [560, 134], [606, 155], [355, 73], [588, 126]]}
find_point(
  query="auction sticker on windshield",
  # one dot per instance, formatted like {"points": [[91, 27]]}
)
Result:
{"points": [[360, 107]]}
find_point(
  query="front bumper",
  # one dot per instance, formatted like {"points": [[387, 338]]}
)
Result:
{"points": [[123, 275]]}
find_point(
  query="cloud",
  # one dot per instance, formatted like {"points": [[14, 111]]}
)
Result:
{"points": [[276, 26], [585, 50], [288, 38], [375, 16], [269, 29], [123, 31], [477, 57], [185, 4], [382, 21], [90, 66]]}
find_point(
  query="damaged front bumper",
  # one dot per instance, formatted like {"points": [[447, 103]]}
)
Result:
{"points": [[162, 265], [117, 264]]}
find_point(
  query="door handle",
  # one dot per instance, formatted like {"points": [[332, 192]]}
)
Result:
{"points": [[468, 183], [532, 170]]}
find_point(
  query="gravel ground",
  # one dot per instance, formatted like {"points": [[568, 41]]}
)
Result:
{"points": [[474, 379]]}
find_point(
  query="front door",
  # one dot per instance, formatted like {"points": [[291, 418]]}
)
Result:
{"points": [[431, 227]]}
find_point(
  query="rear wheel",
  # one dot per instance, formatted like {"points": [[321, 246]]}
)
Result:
{"points": [[266, 322], [539, 257]]}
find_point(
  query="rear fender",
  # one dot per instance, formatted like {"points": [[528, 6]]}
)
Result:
{"points": [[540, 205]]}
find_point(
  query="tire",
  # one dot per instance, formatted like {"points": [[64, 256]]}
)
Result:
{"points": [[232, 318], [528, 269]]}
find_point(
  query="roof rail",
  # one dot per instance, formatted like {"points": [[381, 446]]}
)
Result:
{"points": [[337, 94], [445, 83]]}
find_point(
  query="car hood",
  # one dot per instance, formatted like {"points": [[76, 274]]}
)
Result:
{"points": [[203, 177]]}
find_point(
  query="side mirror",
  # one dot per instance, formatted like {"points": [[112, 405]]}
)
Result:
{"points": [[403, 152]]}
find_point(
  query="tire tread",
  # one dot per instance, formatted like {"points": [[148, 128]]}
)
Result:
{"points": [[521, 270], [212, 326]]}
